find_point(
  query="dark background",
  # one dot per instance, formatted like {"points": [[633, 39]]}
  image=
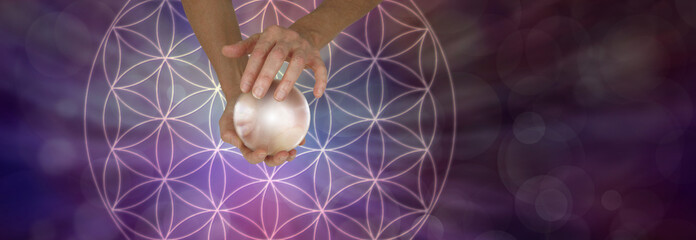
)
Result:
{"points": [[591, 100]]}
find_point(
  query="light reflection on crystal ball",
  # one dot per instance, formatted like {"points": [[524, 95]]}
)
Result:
{"points": [[269, 124]]}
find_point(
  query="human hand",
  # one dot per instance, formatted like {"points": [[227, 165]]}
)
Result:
{"points": [[228, 134], [269, 50]]}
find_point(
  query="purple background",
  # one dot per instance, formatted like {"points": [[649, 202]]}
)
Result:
{"points": [[575, 119]]}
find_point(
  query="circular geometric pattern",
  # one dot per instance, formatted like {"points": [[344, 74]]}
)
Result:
{"points": [[373, 166]]}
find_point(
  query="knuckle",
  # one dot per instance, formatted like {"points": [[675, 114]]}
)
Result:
{"points": [[264, 78], [272, 28], [293, 35], [278, 53], [285, 85], [280, 48], [320, 64], [258, 53], [298, 58]]}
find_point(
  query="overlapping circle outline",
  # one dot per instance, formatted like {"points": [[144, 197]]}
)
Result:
{"points": [[376, 157]]}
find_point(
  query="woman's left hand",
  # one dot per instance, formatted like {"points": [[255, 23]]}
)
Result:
{"points": [[269, 50]]}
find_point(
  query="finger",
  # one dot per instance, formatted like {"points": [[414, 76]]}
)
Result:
{"points": [[227, 132], [302, 143], [255, 157], [277, 159], [229, 136], [291, 74], [274, 61], [293, 154], [258, 55], [320, 77], [248, 154], [240, 48], [244, 150]]}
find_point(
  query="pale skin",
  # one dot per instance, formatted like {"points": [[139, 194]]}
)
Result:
{"points": [[250, 65]]}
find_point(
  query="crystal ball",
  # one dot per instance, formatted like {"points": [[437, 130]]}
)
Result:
{"points": [[269, 124]]}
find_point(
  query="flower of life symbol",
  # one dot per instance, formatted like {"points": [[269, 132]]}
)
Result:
{"points": [[373, 166]]}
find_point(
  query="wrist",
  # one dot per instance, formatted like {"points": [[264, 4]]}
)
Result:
{"points": [[231, 97], [229, 79]]}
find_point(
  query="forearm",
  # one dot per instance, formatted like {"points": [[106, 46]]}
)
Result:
{"points": [[215, 25], [330, 18]]}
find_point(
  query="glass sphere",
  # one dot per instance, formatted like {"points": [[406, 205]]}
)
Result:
{"points": [[269, 124]]}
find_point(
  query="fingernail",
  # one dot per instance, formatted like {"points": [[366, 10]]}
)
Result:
{"points": [[261, 155], [291, 158], [257, 92], [280, 95]]}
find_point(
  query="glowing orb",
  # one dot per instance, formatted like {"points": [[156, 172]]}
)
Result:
{"points": [[269, 124]]}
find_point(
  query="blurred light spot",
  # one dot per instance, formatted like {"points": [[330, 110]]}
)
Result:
{"points": [[551, 205], [523, 67], [518, 162], [633, 57], [677, 101], [611, 200], [560, 132], [435, 228], [91, 222], [543, 203], [56, 156], [687, 11], [67, 108], [640, 210], [580, 185], [589, 91], [56, 44], [529, 127], [43, 229], [477, 98]]}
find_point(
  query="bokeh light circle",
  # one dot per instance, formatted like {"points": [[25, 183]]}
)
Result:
{"points": [[376, 156]]}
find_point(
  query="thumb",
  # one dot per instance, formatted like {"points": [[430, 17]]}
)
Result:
{"points": [[240, 48]]}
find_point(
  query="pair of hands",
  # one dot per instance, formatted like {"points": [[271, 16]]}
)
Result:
{"points": [[269, 50]]}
